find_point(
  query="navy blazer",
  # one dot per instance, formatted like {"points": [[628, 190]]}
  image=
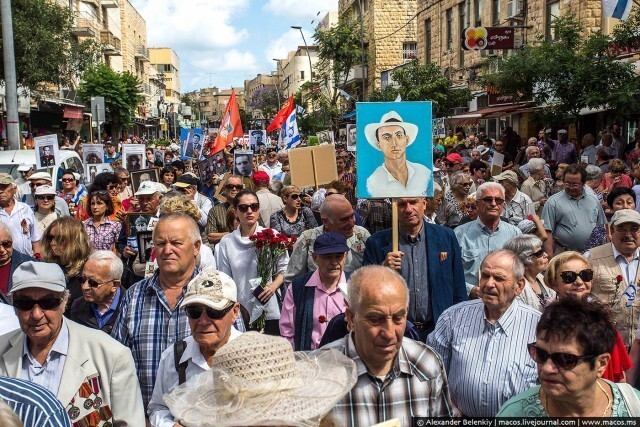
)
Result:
{"points": [[445, 276]]}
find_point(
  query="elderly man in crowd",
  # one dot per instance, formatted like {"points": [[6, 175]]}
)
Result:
{"points": [[19, 218], [10, 259], [269, 202], [517, 205], [487, 233], [272, 166], [90, 373], [150, 319], [535, 185], [101, 292], [563, 150], [571, 215], [337, 216], [533, 152], [429, 260], [615, 272], [397, 377], [483, 343], [314, 298], [211, 304], [188, 184]]}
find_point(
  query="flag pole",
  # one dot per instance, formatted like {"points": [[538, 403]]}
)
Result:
{"points": [[394, 224]]}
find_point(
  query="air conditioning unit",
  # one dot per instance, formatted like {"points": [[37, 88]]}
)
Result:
{"points": [[515, 8], [489, 52]]}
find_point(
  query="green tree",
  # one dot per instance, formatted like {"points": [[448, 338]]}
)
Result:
{"points": [[417, 82], [45, 50], [120, 92], [576, 70], [267, 99]]}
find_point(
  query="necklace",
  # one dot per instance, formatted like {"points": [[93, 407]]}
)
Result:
{"points": [[606, 409]]}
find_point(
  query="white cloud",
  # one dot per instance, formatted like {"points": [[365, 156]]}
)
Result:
{"points": [[231, 60], [300, 9], [280, 47]]}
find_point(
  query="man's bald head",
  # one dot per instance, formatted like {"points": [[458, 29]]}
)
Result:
{"points": [[337, 215]]}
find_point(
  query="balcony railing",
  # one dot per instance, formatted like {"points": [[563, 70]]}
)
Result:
{"points": [[111, 45], [85, 25], [141, 53]]}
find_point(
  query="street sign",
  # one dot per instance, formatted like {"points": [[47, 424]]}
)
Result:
{"points": [[479, 38], [97, 108]]}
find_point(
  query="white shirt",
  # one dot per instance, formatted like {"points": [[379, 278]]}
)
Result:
{"points": [[22, 238], [269, 204], [271, 170], [49, 374], [167, 378], [8, 319], [382, 184], [204, 205]]}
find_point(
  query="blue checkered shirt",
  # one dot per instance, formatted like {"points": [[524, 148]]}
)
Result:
{"points": [[148, 326]]}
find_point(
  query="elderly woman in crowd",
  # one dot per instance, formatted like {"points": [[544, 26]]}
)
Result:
{"points": [[66, 243], [455, 199], [102, 230], [293, 218], [559, 184], [619, 198], [535, 186], [615, 177], [594, 179], [45, 208], [237, 257], [570, 275], [535, 259], [574, 343]]}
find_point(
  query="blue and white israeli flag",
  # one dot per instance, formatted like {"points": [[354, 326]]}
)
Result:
{"points": [[618, 9], [291, 137]]}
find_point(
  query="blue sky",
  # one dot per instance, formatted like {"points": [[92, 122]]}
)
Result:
{"points": [[233, 39]]}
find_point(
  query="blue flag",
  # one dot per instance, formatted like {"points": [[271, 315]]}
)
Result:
{"points": [[291, 137], [618, 9]]}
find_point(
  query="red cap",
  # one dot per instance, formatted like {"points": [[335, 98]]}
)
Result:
{"points": [[260, 177], [454, 158]]}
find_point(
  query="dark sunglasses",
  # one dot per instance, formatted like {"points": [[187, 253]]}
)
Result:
{"points": [[46, 303], [539, 254], [68, 179], [490, 200], [294, 196], [564, 361], [234, 186], [125, 179], [32, 184], [253, 206], [569, 277], [4, 186], [6, 244], [112, 186], [451, 164], [92, 283], [45, 197], [195, 311], [466, 184]]}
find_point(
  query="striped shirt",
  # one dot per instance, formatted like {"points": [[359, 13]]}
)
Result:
{"points": [[147, 325], [416, 386], [34, 405], [486, 363]]}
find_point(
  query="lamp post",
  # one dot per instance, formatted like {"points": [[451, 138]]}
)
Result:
{"points": [[295, 27], [277, 81]]}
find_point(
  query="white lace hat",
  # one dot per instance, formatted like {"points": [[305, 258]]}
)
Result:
{"points": [[258, 380]]}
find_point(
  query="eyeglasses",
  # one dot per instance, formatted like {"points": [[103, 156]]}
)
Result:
{"points": [[4, 186], [46, 303], [33, 184], [490, 200], [67, 179], [6, 244], [472, 207], [451, 164], [92, 283], [234, 187], [45, 197], [466, 184], [195, 311], [112, 186], [539, 254], [294, 196], [125, 179], [569, 277], [564, 361], [253, 206]]}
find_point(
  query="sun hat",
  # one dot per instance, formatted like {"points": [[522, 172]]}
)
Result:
{"points": [[24, 167], [45, 190], [507, 176], [625, 215], [6, 178], [390, 119], [149, 187], [257, 379], [211, 288], [42, 275], [482, 149], [40, 175], [330, 243]]}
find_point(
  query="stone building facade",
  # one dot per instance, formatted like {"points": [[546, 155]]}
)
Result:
{"points": [[258, 82]]}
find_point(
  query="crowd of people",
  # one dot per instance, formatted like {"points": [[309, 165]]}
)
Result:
{"points": [[511, 292]]}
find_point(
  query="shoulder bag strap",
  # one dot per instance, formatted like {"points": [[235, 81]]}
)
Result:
{"points": [[630, 398], [178, 350]]}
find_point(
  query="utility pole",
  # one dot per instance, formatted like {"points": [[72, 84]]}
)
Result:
{"points": [[10, 79]]}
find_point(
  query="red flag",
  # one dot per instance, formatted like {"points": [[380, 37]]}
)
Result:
{"points": [[230, 127], [282, 115]]}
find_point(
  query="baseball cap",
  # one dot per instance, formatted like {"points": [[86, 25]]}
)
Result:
{"points": [[5, 178], [564, 131], [109, 143], [45, 190], [24, 167], [42, 275], [454, 158], [330, 243], [625, 215], [260, 177], [150, 187], [186, 180], [507, 176], [211, 288], [40, 175]]}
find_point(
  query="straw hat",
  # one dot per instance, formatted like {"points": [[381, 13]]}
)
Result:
{"points": [[390, 119], [257, 379]]}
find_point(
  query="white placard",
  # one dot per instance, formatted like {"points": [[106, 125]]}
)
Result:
{"points": [[134, 157], [92, 154], [47, 152]]}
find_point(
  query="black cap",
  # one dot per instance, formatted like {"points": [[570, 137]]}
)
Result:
{"points": [[330, 243]]}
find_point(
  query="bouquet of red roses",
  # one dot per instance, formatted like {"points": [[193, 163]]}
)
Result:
{"points": [[270, 246]]}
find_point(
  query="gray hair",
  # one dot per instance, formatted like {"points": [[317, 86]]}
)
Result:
{"points": [[489, 186], [282, 153], [276, 186], [517, 266], [8, 418], [593, 172], [109, 259], [523, 245], [536, 165], [382, 275], [436, 188], [531, 148], [326, 208], [193, 232], [4, 227], [532, 139], [458, 176]]}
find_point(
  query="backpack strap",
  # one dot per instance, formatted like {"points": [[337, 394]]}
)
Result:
{"points": [[178, 350], [630, 398]]}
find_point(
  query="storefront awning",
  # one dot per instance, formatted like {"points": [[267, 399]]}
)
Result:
{"points": [[463, 119], [500, 110]]}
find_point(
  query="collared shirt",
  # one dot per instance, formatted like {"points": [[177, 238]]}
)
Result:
{"points": [[571, 220], [590, 152], [629, 269], [104, 236], [382, 184], [49, 374], [524, 170], [325, 303], [519, 207], [271, 170], [564, 152], [416, 386], [217, 219], [23, 227], [269, 204], [476, 241], [148, 326], [167, 379], [103, 318], [34, 405], [536, 190], [486, 363], [414, 271]]}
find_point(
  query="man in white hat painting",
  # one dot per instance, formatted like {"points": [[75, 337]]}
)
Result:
{"points": [[396, 177]]}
